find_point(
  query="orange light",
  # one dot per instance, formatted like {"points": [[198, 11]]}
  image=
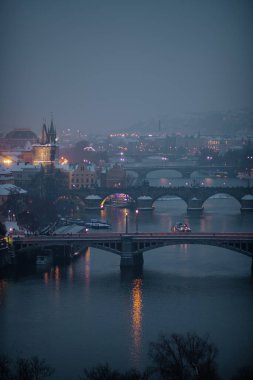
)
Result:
{"points": [[7, 161]]}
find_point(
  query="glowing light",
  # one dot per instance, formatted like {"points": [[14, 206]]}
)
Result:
{"points": [[63, 161], [7, 161]]}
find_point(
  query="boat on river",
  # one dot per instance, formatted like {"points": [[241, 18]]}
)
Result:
{"points": [[180, 227]]}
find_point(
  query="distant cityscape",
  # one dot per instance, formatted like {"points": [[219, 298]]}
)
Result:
{"points": [[93, 161]]}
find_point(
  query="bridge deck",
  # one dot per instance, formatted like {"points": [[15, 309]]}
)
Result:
{"points": [[141, 236]]}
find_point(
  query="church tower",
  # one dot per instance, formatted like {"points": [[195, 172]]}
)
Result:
{"points": [[46, 152]]}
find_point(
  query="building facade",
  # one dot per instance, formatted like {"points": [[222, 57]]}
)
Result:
{"points": [[82, 176]]}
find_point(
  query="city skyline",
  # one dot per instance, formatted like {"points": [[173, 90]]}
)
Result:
{"points": [[104, 66]]}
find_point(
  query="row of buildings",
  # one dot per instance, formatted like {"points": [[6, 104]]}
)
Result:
{"points": [[23, 155]]}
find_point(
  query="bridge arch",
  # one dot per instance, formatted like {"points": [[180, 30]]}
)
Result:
{"points": [[68, 204], [222, 196], [170, 196], [239, 248]]}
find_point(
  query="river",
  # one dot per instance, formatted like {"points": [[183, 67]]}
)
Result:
{"points": [[88, 312]]}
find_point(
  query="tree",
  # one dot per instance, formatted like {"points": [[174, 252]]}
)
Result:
{"points": [[101, 372], [33, 369], [24, 369], [5, 371], [104, 372], [184, 357]]}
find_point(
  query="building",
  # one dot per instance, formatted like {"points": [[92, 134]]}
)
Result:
{"points": [[6, 176], [114, 177], [83, 176], [7, 190], [46, 153], [17, 140]]}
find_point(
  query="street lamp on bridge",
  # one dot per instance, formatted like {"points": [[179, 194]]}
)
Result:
{"points": [[126, 222], [136, 220]]}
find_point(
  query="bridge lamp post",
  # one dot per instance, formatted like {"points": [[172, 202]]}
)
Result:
{"points": [[126, 222], [136, 220]]}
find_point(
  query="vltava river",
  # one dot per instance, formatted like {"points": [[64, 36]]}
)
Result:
{"points": [[88, 312]]}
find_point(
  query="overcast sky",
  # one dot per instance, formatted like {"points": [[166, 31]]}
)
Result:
{"points": [[103, 65]]}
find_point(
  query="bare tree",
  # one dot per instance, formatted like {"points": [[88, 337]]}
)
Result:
{"points": [[184, 357], [24, 369], [104, 372]]}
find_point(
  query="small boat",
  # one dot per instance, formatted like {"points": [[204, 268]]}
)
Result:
{"points": [[96, 224], [180, 227]]}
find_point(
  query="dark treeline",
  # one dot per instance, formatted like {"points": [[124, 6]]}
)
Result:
{"points": [[174, 357]]}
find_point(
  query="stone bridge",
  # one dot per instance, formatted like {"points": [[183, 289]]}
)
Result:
{"points": [[144, 196], [184, 170]]}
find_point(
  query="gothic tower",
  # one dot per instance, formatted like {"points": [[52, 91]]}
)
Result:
{"points": [[46, 153]]}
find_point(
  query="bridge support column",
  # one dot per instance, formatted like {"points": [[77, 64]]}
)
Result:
{"points": [[128, 257], [93, 202], [195, 205], [247, 204]]}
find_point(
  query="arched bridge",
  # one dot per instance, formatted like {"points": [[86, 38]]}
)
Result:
{"points": [[194, 196], [130, 247], [185, 170]]}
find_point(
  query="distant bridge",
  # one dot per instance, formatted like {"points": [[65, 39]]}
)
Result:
{"points": [[193, 196], [131, 246], [184, 169]]}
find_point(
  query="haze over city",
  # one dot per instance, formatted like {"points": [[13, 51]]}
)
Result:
{"points": [[102, 66]]}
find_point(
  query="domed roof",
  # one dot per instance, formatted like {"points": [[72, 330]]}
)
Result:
{"points": [[24, 134]]}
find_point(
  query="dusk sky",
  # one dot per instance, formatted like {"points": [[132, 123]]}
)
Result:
{"points": [[103, 65]]}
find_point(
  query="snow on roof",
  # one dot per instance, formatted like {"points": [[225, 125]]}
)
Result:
{"points": [[248, 197], [93, 197], [8, 188]]}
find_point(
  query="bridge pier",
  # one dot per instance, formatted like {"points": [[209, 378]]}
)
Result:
{"points": [[195, 205], [252, 267], [247, 203], [93, 202], [128, 257]]}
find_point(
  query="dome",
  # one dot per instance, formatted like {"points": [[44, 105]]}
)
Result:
{"points": [[22, 134]]}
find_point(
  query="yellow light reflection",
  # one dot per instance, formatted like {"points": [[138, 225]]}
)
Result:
{"points": [[183, 247], [87, 268], [57, 278], [136, 320], [71, 273], [46, 278]]}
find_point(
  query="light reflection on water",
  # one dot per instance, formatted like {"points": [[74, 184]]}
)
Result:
{"points": [[136, 321]]}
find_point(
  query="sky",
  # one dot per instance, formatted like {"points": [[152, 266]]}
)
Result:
{"points": [[104, 65]]}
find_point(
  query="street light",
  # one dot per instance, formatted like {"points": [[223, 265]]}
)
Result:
{"points": [[136, 220], [126, 222]]}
